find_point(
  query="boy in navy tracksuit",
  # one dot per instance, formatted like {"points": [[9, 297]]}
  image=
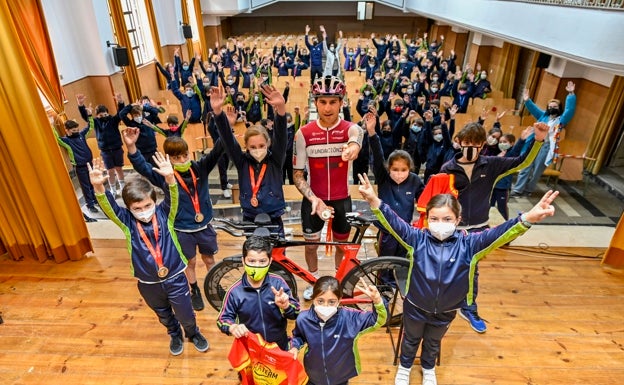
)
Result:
{"points": [[259, 168], [192, 221], [189, 100], [259, 302], [80, 156], [108, 137], [157, 260], [146, 142], [316, 54]]}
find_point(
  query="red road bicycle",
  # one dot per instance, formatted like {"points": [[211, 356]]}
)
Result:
{"points": [[378, 271]]}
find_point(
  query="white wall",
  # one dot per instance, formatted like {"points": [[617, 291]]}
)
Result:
{"points": [[168, 17], [79, 45], [589, 36]]}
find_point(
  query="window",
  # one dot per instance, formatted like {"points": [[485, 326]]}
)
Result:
{"points": [[365, 10], [139, 33]]}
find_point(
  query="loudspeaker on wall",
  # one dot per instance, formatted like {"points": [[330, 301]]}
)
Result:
{"points": [[187, 31], [543, 60], [120, 56]]}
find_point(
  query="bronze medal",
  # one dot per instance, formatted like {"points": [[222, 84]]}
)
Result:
{"points": [[163, 271], [254, 201], [199, 217]]}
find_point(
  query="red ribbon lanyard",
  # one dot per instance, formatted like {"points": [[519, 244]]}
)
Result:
{"points": [[255, 185], [155, 252], [328, 238], [194, 198]]}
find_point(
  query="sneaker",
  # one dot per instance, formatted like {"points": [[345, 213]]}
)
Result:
{"points": [[429, 377], [196, 299], [515, 194], [476, 323], [402, 376], [92, 209], [227, 193], [229, 186], [176, 346], [307, 293], [200, 342]]}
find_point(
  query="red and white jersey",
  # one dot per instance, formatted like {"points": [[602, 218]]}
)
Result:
{"points": [[319, 150]]}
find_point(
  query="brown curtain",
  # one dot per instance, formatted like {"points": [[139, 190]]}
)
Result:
{"points": [[39, 213], [130, 74], [507, 69], [33, 37], [200, 28], [605, 136]]}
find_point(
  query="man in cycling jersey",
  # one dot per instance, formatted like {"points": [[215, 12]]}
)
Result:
{"points": [[324, 148]]}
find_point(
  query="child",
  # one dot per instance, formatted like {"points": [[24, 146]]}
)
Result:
{"points": [[259, 302], [508, 148], [397, 186], [173, 128], [329, 359], [436, 144], [189, 99], [159, 266], [259, 169], [475, 177], [491, 143], [442, 262], [80, 156], [192, 221], [108, 138], [146, 142]]}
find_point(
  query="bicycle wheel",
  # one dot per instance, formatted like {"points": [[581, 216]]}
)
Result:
{"points": [[225, 273], [382, 272]]}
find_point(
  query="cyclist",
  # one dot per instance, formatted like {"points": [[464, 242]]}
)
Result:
{"points": [[325, 147]]}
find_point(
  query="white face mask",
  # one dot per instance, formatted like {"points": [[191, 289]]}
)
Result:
{"points": [[190, 94], [138, 119], [437, 137], [145, 216], [258, 153], [325, 312], [442, 230], [491, 140], [504, 146], [399, 176]]}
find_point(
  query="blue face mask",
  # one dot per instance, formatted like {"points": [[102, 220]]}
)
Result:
{"points": [[416, 129], [185, 68]]}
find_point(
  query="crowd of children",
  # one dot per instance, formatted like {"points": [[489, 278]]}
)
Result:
{"points": [[404, 131]]}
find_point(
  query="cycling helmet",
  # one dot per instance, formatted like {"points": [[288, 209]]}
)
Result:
{"points": [[328, 86]]}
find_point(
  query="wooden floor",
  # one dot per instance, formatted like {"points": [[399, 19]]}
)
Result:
{"points": [[551, 320]]}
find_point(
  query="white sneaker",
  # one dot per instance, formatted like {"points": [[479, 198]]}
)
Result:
{"points": [[227, 193], [229, 186], [429, 377], [307, 293], [402, 376]]}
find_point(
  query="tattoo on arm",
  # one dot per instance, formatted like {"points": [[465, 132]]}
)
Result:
{"points": [[302, 185]]}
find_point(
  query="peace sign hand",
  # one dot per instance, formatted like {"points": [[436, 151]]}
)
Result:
{"points": [[281, 298], [543, 208], [368, 192], [370, 291]]}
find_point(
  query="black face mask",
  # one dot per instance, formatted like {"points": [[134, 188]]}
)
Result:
{"points": [[105, 118], [553, 111], [386, 133], [471, 153], [76, 135]]}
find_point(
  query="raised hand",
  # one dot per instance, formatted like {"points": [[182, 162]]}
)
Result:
{"points": [[370, 120], [570, 87], [543, 208], [164, 165], [217, 98], [96, 175], [370, 291], [281, 299], [230, 112], [526, 132], [130, 136], [541, 130], [80, 99], [274, 98], [525, 94], [368, 192]]}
